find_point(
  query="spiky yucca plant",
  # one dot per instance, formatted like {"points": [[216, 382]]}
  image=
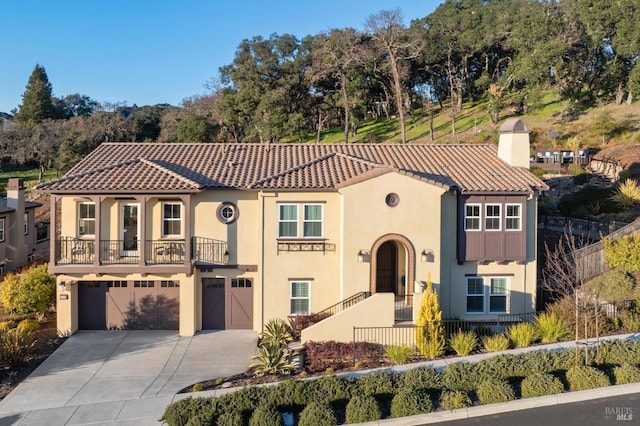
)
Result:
{"points": [[627, 194]]}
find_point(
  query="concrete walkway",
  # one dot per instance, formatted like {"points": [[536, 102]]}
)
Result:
{"points": [[122, 377]]}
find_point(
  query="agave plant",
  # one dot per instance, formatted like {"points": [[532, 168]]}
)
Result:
{"points": [[271, 359], [627, 194], [277, 331]]}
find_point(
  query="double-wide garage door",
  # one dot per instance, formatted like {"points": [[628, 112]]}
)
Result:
{"points": [[128, 305], [227, 303]]}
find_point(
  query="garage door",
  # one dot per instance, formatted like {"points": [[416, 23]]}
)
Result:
{"points": [[227, 303], [129, 305]]}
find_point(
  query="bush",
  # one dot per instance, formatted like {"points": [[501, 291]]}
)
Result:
{"points": [[265, 415], [430, 338], [180, 412], [272, 358], [551, 328], [27, 293], [337, 355], [421, 378], [198, 387], [453, 400], [629, 321], [565, 309], [398, 354], [460, 376], [626, 373], [28, 325], [622, 253], [496, 343], [463, 342], [329, 389], [620, 352], [612, 286], [289, 395], [276, 331], [378, 383], [228, 418], [586, 377], [6, 325], [627, 194], [540, 384], [363, 408], [16, 345], [316, 414], [408, 402], [522, 334], [494, 391]]}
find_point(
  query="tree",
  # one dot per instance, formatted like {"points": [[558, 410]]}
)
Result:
{"points": [[75, 105], [37, 102], [430, 332], [30, 292], [389, 33]]}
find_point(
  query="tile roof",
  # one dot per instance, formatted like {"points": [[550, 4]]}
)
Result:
{"points": [[6, 209], [149, 167]]}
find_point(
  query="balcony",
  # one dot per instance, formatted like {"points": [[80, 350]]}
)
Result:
{"points": [[70, 251]]}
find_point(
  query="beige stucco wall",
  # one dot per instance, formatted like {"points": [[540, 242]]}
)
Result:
{"points": [[375, 311]]}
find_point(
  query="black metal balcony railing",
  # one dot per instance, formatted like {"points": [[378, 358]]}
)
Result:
{"points": [[75, 251], [208, 250]]}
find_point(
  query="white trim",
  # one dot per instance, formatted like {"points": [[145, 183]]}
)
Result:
{"points": [[481, 294], [124, 252], [505, 295], [487, 295], [507, 217], [479, 217], [172, 219], [280, 220], [86, 219], [492, 218], [308, 298], [321, 221]]}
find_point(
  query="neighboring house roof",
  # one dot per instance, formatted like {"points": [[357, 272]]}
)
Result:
{"points": [[27, 205], [153, 167]]}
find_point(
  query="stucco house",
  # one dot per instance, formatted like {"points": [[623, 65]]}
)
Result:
{"points": [[17, 227], [222, 236]]}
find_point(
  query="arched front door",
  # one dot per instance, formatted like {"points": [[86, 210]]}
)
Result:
{"points": [[387, 268]]}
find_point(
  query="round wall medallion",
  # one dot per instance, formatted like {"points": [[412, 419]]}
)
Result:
{"points": [[227, 213], [392, 199]]}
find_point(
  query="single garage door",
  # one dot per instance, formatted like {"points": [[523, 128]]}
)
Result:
{"points": [[227, 303], [129, 305]]}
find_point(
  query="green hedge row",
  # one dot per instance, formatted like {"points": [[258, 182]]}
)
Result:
{"points": [[335, 400]]}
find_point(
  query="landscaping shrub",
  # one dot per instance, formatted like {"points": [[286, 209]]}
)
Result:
{"points": [[289, 395], [6, 325], [316, 414], [228, 418], [272, 358], [522, 334], [378, 383], [496, 343], [337, 355], [329, 389], [629, 320], [421, 378], [179, 412], [565, 309], [398, 354], [29, 292], [540, 384], [626, 373], [460, 376], [550, 327], [454, 399], [463, 342], [494, 391], [627, 194], [499, 367], [28, 325], [408, 402], [264, 415], [245, 400], [430, 338], [618, 352], [363, 408], [612, 286], [16, 345], [276, 331], [586, 377], [622, 253]]}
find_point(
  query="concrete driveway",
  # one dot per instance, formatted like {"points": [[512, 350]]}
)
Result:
{"points": [[123, 377]]}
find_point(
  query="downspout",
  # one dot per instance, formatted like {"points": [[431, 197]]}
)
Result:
{"points": [[262, 263]]}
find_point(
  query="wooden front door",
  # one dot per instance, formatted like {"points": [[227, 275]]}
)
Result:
{"points": [[213, 303], [387, 268]]}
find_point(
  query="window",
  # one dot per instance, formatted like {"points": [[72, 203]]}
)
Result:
{"points": [[86, 219], [288, 221], [171, 219], [498, 295], [472, 217], [475, 295], [300, 296], [227, 213], [241, 283], [2, 229], [312, 225], [26, 224], [492, 217], [513, 217]]}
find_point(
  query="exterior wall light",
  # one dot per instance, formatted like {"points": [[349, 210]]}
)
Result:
{"points": [[427, 255], [225, 256], [363, 255]]}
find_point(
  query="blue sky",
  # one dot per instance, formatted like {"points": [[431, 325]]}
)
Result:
{"points": [[146, 52]]}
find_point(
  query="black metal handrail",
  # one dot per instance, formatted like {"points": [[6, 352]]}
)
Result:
{"points": [[74, 251], [208, 250], [165, 251], [304, 321]]}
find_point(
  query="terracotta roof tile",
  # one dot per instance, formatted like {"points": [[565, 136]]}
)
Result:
{"points": [[141, 167]]}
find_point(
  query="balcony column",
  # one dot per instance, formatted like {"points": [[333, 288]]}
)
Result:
{"points": [[186, 200], [97, 237], [142, 238], [53, 231]]}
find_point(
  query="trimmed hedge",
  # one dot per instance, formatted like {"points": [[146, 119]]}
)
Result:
{"points": [[494, 391], [540, 384]]}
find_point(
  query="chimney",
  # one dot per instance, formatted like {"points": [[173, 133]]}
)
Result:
{"points": [[513, 145], [17, 245]]}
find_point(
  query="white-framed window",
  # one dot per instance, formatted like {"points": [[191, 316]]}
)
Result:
{"points": [[86, 218], [498, 290], [171, 219], [492, 217], [288, 221], [487, 295], [475, 295], [227, 212], [312, 221], [513, 217], [300, 297], [472, 217], [1, 229], [26, 224]]}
